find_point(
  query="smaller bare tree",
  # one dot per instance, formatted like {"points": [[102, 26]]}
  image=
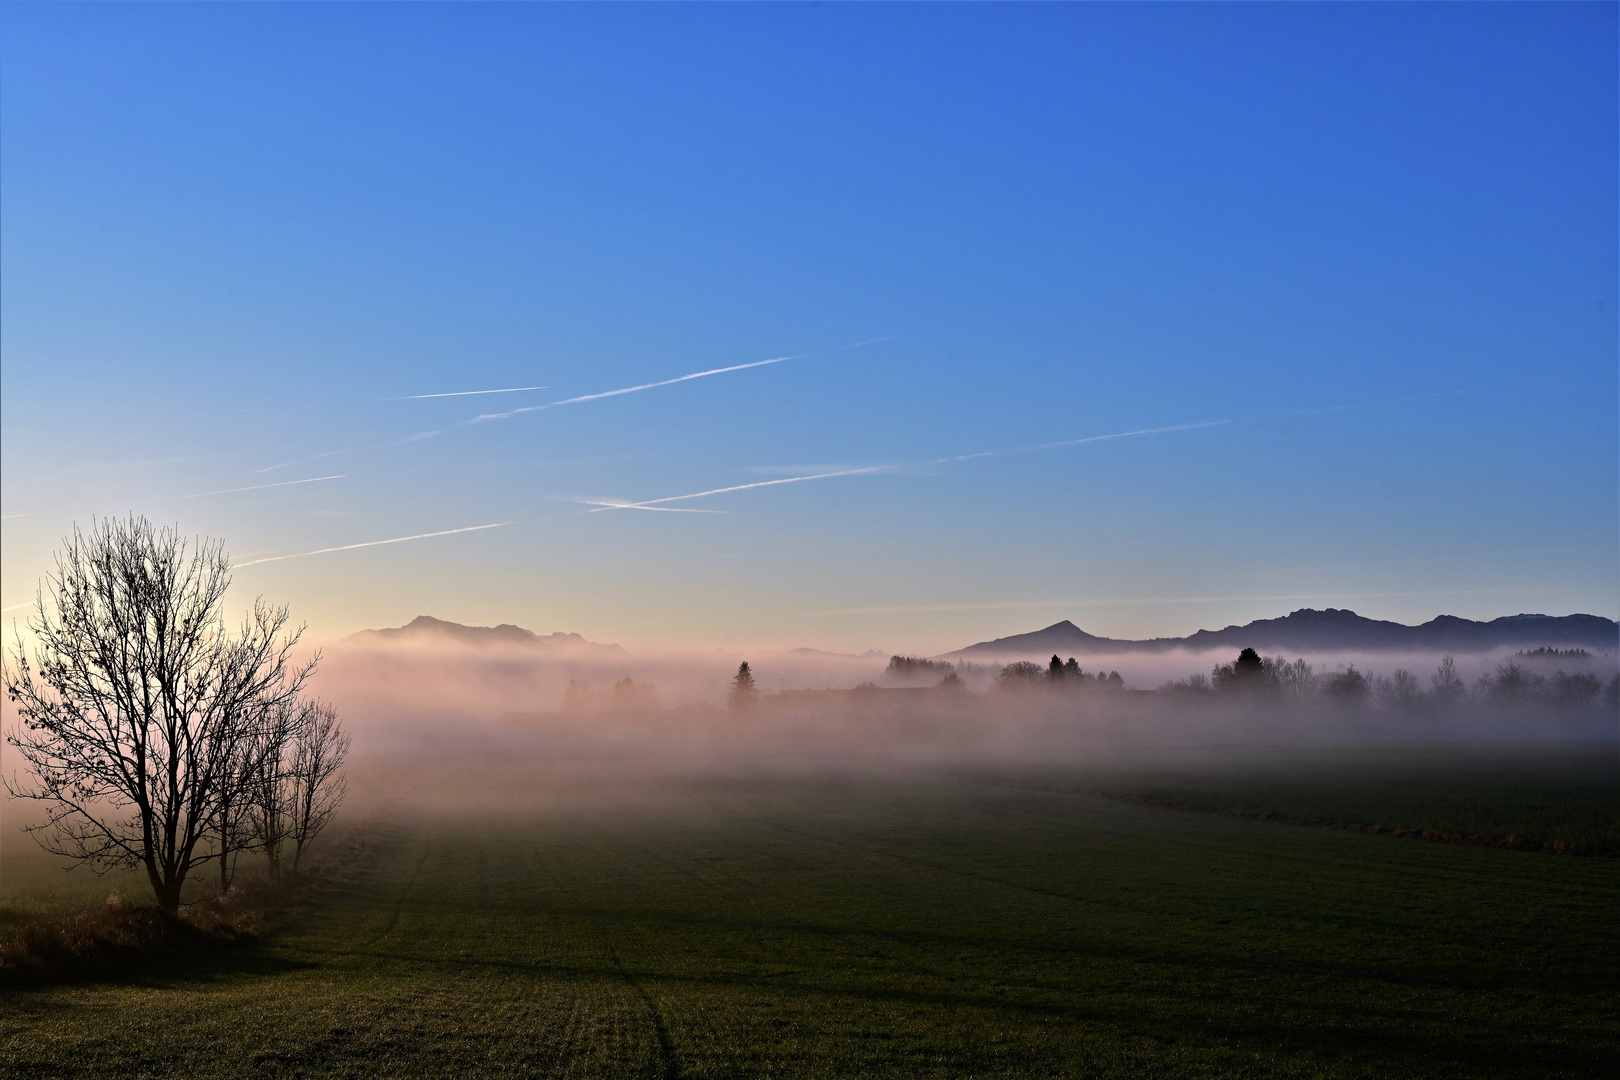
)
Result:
{"points": [[232, 829], [317, 784], [1448, 685], [268, 810]]}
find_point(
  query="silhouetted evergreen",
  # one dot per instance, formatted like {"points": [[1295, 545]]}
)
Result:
{"points": [[1247, 673], [743, 692], [915, 667], [1545, 653]]}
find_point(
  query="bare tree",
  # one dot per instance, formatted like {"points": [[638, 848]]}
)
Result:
{"points": [[1448, 685], [1020, 675], [1297, 681], [142, 714], [232, 827], [1399, 692], [267, 811], [317, 783]]}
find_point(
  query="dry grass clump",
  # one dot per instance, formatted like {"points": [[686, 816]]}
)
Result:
{"points": [[122, 934]]}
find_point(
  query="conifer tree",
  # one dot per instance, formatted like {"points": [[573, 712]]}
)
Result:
{"points": [[743, 692]]}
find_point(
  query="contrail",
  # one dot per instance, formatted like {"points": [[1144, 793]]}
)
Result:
{"points": [[635, 389], [371, 543], [300, 461], [14, 607], [468, 393], [549, 405], [260, 487], [652, 504], [616, 504], [1077, 442]]}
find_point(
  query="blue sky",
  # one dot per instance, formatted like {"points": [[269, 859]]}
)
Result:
{"points": [[1372, 249]]}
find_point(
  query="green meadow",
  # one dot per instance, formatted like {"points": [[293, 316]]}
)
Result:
{"points": [[1538, 794], [888, 925]]}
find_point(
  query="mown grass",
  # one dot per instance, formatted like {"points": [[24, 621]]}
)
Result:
{"points": [[894, 926]]}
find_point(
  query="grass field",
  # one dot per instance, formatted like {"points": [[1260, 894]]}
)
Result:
{"points": [[1541, 794], [891, 926]]}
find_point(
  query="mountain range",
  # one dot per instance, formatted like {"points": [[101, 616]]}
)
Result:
{"points": [[427, 628], [1305, 630], [1333, 629]]}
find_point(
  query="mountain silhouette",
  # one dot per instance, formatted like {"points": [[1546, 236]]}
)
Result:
{"points": [[1331, 629], [427, 628]]}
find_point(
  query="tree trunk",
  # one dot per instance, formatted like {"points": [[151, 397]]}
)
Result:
{"points": [[168, 894]]}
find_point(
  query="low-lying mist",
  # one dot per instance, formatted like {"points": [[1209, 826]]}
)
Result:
{"points": [[675, 711], [436, 718]]}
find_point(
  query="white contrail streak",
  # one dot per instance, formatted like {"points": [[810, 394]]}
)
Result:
{"points": [[469, 393], [371, 543], [615, 504], [652, 504], [14, 607], [260, 487], [536, 408], [1077, 442], [635, 389], [300, 461]]}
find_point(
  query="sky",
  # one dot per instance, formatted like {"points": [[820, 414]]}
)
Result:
{"points": [[1149, 317]]}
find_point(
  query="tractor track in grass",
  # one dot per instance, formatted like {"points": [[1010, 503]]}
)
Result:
{"points": [[668, 1060], [399, 902]]}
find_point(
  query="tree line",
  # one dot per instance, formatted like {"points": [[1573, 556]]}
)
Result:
{"points": [[1508, 684], [1057, 674], [155, 735]]}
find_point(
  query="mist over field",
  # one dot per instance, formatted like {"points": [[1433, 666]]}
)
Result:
{"points": [[438, 688]]}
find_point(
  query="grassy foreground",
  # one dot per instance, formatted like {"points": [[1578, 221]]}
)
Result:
{"points": [[888, 927]]}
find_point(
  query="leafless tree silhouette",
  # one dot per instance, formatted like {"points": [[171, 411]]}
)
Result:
{"points": [[143, 718], [317, 785]]}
